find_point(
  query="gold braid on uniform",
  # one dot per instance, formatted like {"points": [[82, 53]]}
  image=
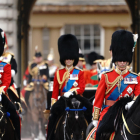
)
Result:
{"points": [[65, 76], [110, 85]]}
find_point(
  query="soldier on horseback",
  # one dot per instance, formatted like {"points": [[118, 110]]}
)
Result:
{"points": [[117, 83], [38, 68], [68, 81], [9, 58], [5, 80]]}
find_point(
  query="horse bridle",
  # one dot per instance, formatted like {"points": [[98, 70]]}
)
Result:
{"points": [[66, 122]]}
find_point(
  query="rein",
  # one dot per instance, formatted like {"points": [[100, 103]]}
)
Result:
{"points": [[126, 126], [38, 80]]}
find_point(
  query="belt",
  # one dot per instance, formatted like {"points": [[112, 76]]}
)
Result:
{"points": [[109, 102]]}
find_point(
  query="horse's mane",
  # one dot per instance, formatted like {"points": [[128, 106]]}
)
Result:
{"points": [[134, 106]]}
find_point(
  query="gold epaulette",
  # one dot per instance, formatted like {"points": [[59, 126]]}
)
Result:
{"points": [[135, 73], [61, 68], [45, 62], [78, 68], [6, 53]]}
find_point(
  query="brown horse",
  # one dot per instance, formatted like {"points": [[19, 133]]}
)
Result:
{"points": [[37, 103]]}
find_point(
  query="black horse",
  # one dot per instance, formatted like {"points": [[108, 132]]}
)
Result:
{"points": [[7, 131], [126, 125], [72, 124], [131, 129]]}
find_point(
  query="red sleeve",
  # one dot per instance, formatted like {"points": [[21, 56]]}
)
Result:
{"points": [[100, 93], [6, 77], [137, 87], [81, 83], [55, 92]]}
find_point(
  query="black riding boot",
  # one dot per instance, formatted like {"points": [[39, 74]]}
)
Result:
{"points": [[8, 105], [51, 126], [56, 111]]}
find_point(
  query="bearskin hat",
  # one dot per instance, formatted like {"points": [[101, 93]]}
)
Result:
{"points": [[92, 57], [2, 41], [68, 48], [122, 44]]}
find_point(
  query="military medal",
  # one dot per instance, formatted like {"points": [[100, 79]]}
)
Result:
{"points": [[129, 90], [130, 80]]}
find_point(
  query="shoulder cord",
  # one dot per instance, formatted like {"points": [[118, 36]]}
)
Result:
{"points": [[65, 76], [111, 84]]}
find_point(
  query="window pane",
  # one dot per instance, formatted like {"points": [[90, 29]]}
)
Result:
{"points": [[97, 45], [77, 30], [67, 29], [96, 30], [87, 44], [96, 42], [86, 30]]}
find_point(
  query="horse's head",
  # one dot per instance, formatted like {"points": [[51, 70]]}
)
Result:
{"points": [[75, 121], [39, 92]]}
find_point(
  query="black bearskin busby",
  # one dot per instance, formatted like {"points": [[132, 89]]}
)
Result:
{"points": [[122, 44], [92, 57], [2, 41], [68, 48]]}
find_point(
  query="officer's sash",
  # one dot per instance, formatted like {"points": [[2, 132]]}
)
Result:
{"points": [[115, 94], [70, 82]]}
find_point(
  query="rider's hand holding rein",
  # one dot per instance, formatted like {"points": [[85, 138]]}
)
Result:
{"points": [[69, 93], [128, 105]]}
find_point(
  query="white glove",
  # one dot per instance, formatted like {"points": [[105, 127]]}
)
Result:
{"points": [[67, 94], [95, 122], [25, 82], [13, 73], [128, 105]]}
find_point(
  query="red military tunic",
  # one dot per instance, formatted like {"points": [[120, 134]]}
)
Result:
{"points": [[78, 86], [107, 85], [5, 75]]}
